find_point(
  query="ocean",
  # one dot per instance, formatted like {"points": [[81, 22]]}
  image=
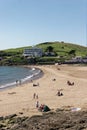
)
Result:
{"points": [[10, 74]]}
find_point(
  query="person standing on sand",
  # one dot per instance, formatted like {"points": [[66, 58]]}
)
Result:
{"points": [[37, 104], [16, 82], [34, 95], [37, 96], [20, 82]]}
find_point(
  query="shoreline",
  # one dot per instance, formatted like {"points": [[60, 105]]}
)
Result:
{"points": [[20, 99], [20, 82]]}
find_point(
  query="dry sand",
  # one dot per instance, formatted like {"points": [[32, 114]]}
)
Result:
{"points": [[20, 98]]}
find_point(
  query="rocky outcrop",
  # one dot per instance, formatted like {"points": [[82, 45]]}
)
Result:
{"points": [[59, 120]]}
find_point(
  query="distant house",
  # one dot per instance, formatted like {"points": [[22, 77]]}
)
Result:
{"points": [[77, 59], [33, 52]]}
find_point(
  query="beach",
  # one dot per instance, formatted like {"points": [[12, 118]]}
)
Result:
{"points": [[20, 99]]}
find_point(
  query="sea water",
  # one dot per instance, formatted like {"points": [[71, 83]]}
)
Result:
{"points": [[10, 74]]}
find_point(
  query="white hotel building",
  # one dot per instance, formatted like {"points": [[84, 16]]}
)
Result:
{"points": [[33, 52]]}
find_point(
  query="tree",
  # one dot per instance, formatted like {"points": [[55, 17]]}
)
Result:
{"points": [[49, 49], [72, 52]]}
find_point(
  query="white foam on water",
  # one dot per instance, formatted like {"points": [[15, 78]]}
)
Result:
{"points": [[27, 78]]}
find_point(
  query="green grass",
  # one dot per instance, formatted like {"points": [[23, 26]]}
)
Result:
{"points": [[63, 48], [21, 49], [60, 48], [14, 56]]}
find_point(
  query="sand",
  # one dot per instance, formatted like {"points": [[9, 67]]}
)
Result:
{"points": [[20, 99]]}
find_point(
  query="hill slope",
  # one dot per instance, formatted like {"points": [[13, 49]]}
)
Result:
{"points": [[61, 49]]}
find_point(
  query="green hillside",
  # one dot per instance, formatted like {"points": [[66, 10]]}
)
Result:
{"points": [[61, 49]]}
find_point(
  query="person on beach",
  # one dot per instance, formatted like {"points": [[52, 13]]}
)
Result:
{"points": [[20, 82], [41, 108], [37, 104], [16, 82], [31, 81], [34, 85], [34, 95], [69, 83], [37, 96], [59, 93]]}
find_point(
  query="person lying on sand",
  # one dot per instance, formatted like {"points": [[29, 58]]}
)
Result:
{"points": [[34, 85]]}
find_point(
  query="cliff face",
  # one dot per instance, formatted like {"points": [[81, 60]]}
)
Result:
{"points": [[59, 120]]}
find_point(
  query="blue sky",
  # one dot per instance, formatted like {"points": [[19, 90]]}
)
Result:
{"points": [[29, 22]]}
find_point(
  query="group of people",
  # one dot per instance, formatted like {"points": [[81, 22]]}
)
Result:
{"points": [[42, 107], [70, 83], [59, 93], [35, 96]]}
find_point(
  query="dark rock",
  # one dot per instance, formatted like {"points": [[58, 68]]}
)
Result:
{"points": [[59, 120], [1, 118], [2, 125], [10, 116]]}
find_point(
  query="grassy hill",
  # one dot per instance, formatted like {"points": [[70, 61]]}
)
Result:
{"points": [[60, 48]]}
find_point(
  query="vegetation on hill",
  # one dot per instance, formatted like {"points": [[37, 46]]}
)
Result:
{"points": [[62, 51]]}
